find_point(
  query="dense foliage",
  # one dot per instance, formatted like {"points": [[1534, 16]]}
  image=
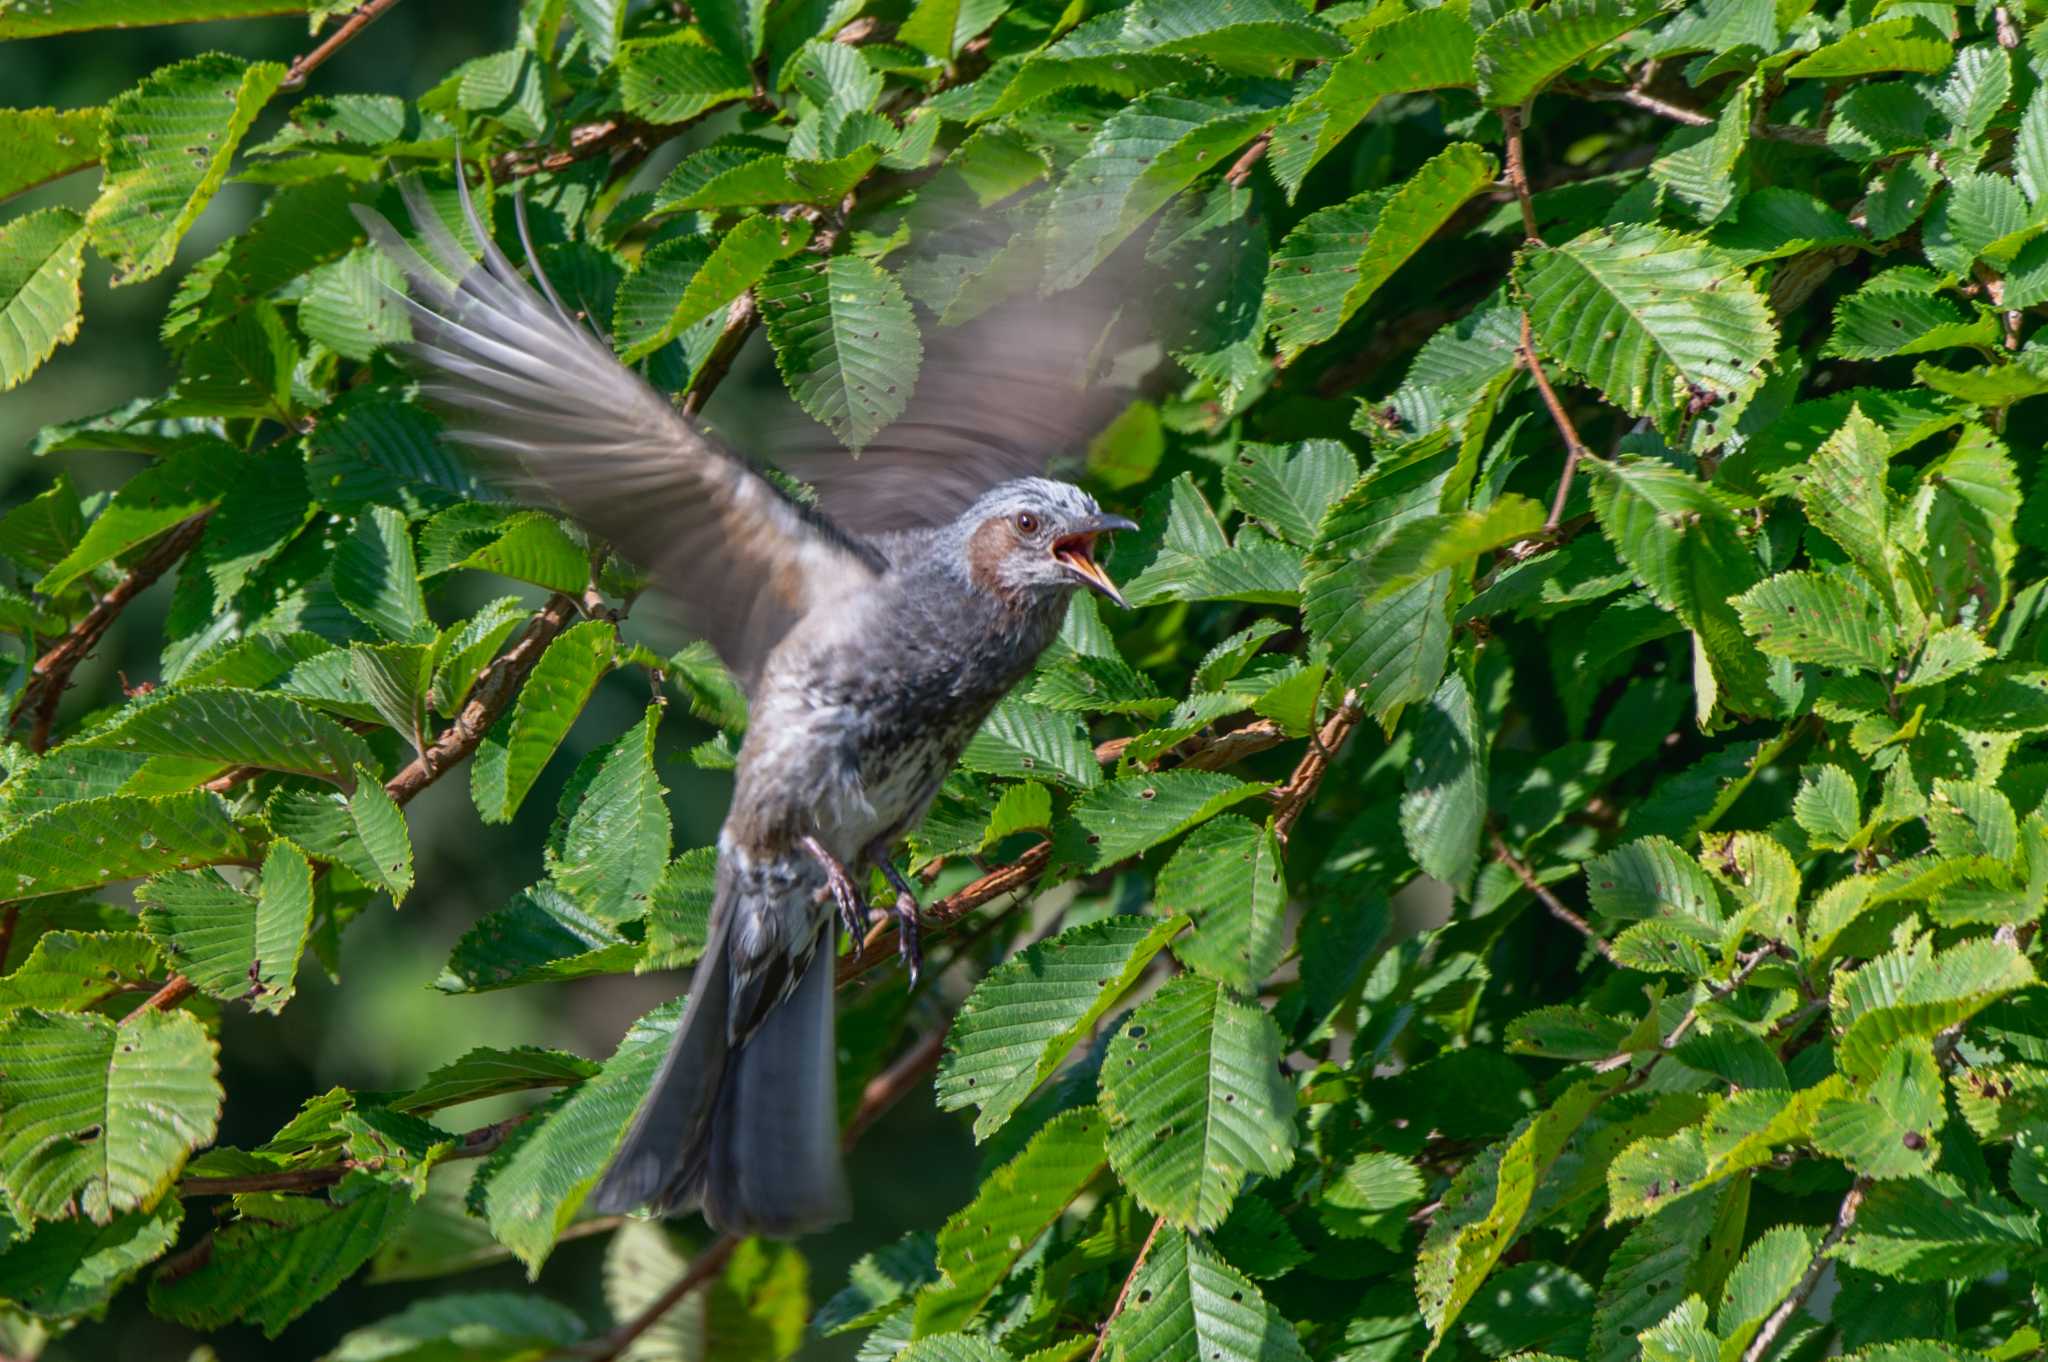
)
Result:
{"points": [[1584, 467]]}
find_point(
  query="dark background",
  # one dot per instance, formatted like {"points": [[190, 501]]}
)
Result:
{"points": [[388, 1025]]}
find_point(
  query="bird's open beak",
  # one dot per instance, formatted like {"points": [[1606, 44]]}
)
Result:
{"points": [[1075, 551]]}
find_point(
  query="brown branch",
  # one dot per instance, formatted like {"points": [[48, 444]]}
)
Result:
{"points": [[1124, 1294], [1291, 798], [1692, 118], [51, 675], [1205, 753], [1549, 900], [1574, 447], [474, 1144], [164, 999], [1767, 1337], [1241, 170], [359, 19], [1745, 966], [10, 918], [493, 692], [887, 1089], [879, 944], [739, 324], [1518, 172]]}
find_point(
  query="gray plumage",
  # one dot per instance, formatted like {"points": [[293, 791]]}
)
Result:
{"points": [[872, 637]]}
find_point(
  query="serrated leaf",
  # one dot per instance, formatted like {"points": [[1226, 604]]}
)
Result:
{"points": [[376, 577], [542, 934], [519, 745], [531, 1188], [1123, 817], [1828, 808], [1912, 992], [1906, 43], [1648, 315], [1227, 877], [188, 480], [1014, 1205], [168, 145], [1020, 738], [270, 1274], [1195, 1101], [1026, 1015], [1288, 488], [742, 256], [669, 80], [350, 306], [486, 1072], [69, 971], [229, 726], [42, 258], [614, 846], [234, 944], [1931, 1228], [488, 1326], [95, 841], [100, 1117], [1324, 270], [845, 341], [1889, 1129], [1443, 809], [1822, 618], [1190, 1304], [1524, 50], [1428, 49], [73, 1267], [1651, 878], [47, 143]]}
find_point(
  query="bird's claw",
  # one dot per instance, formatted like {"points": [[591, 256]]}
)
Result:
{"points": [[853, 914]]}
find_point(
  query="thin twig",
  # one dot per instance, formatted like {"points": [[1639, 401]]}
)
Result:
{"points": [[1241, 170], [1144, 1251], [1767, 1337], [1692, 118], [1203, 752], [1745, 966], [359, 19], [879, 945], [891, 1085], [51, 675], [739, 324], [474, 1144], [1518, 172], [1292, 797], [1574, 447], [164, 999], [1549, 900]]}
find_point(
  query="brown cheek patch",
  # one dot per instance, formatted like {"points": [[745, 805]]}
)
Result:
{"points": [[986, 550]]}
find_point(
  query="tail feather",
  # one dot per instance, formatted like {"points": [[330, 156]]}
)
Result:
{"points": [[750, 1132]]}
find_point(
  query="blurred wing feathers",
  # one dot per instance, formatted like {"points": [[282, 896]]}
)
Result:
{"points": [[522, 377]]}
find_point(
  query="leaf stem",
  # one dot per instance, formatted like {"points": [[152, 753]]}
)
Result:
{"points": [[1291, 798], [1144, 1251], [1549, 900], [174, 991], [1574, 447], [359, 19], [1518, 172]]}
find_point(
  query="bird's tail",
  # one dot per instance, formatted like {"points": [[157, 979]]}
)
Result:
{"points": [[747, 1131]]}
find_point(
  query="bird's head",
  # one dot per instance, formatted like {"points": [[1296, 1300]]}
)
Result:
{"points": [[1033, 536]]}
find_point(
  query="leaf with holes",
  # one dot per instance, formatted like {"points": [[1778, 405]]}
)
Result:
{"points": [[845, 341], [520, 743], [1524, 50], [237, 946], [229, 726], [42, 258], [1429, 49], [1826, 619], [1228, 878]]}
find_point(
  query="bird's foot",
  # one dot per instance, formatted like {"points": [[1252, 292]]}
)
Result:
{"points": [[853, 914], [908, 926]]}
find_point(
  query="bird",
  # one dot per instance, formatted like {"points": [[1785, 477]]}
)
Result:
{"points": [[872, 631]]}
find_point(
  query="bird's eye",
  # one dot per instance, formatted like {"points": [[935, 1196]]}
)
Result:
{"points": [[1027, 523]]}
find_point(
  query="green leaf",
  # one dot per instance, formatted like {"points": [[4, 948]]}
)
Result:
{"points": [[1703, 167], [96, 841], [488, 1326], [232, 944], [377, 577], [1187, 1303], [1889, 1128], [1484, 1209], [1023, 1019], [1014, 1205], [1443, 811], [1650, 878], [534, 1184], [1228, 878], [100, 1117], [70, 16], [641, 1261], [47, 143], [77, 971], [742, 256], [1770, 1268], [669, 80], [1662, 1261], [74, 1267], [1648, 316], [349, 308], [189, 480], [229, 726], [845, 342], [1288, 488], [1829, 808], [1525, 50], [1428, 49], [1336, 258], [519, 745], [268, 1274], [486, 1072], [1195, 1100], [1123, 817], [168, 145], [1143, 155], [542, 934], [42, 257], [1020, 738], [1899, 313], [614, 846], [757, 181], [1934, 1228], [1912, 992], [1907, 43], [1822, 618]]}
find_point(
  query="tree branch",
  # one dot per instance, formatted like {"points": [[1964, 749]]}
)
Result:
{"points": [[1574, 447], [173, 992], [879, 944], [1845, 1216], [1518, 172], [1641, 99], [1549, 900], [739, 324], [1241, 170], [51, 675], [1205, 753], [1144, 1251], [882, 1093], [1291, 798], [359, 19]]}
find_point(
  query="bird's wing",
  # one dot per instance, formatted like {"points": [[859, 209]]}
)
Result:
{"points": [[1003, 396], [527, 382]]}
